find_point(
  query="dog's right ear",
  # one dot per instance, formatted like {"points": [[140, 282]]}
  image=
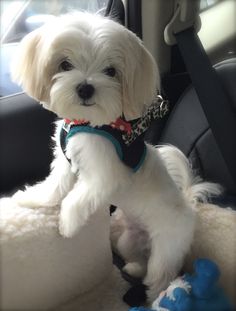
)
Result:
{"points": [[26, 68]]}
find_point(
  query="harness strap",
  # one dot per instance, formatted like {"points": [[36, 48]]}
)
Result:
{"points": [[133, 155]]}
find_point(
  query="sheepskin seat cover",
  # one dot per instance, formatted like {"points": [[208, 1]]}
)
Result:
{"points": [[40, 269]]}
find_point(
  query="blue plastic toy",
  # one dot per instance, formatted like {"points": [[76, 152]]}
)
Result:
{"points": [[197, 292]]}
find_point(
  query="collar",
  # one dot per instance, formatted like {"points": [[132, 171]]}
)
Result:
{"points": [[120, 124], [157, 110]]}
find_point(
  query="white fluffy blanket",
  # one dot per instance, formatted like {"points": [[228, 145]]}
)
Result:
{"points": [[40, 270], [215, 238]]}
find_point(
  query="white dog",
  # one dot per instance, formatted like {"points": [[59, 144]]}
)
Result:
{"points": [[93, 72]]}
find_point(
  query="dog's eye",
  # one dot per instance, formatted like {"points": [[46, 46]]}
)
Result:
{"points": [[110, 71], [66, 66]]}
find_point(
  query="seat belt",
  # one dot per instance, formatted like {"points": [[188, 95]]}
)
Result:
{"points": [[214, 101]]}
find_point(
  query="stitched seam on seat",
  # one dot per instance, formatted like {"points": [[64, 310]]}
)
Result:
{"points": [[195, 141]]}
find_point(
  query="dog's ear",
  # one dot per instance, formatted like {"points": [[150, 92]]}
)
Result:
{"points": [[26, 68], [140, 80]]}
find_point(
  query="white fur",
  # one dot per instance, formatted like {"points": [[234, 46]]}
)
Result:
{"points": [[131, 242], [215, 238], [177, 283], [96, 177]]}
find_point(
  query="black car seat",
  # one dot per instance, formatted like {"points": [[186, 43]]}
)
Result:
{"points": [[188, 129], [25, 135]]}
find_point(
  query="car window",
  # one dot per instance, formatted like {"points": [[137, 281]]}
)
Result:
{"points": [[18, 18], [218, 31], [206, 4]]}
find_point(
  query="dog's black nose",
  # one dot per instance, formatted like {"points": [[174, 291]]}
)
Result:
{"points": [[85, 90]]}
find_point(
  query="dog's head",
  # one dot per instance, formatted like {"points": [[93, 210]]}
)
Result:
{"points": [[84, 66]]}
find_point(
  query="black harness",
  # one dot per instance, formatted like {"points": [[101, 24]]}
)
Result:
{"points": [[126, 137]]}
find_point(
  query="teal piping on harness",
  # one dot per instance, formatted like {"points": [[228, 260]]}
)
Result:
{"points": [[92, 130]]}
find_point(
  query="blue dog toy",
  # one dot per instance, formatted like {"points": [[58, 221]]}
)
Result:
{"points": [[197, 292]]}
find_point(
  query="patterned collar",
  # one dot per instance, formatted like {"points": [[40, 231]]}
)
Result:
{"points": [[157, 110], [120, 124]]}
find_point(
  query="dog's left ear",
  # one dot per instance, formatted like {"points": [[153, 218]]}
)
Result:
{"points": [[26, 68], [140, 79]]}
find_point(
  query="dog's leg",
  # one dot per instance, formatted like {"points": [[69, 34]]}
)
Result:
{"points": [[129, 246], [163, 266], [102, 177], [76, 208], [49, 192]]}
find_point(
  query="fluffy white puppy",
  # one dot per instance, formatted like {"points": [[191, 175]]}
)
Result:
{"points": [[86, 67]]}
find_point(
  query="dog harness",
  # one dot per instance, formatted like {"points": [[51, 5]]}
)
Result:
{"points": [[126, 137]]}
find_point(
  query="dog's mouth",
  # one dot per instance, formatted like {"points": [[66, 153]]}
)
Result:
{"points": [[87, 103]]}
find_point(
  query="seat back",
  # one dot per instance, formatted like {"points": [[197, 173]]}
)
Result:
{"points": [[188, 129]]}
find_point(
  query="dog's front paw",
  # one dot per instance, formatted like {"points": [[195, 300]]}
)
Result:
{"points": [[24, 199], [67, 228], [70, 222]]}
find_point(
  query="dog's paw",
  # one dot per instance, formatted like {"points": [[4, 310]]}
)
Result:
{"points": [[66, 229], [24, 199], [68, 223], [134, 269]]}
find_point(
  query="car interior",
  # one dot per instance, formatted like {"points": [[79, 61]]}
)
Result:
{"points": [[25, 161], [193, 43]]}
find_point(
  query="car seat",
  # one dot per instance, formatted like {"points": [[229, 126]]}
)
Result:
{"points": [[188, 129]]}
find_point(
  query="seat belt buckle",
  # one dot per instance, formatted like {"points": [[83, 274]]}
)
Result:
{"points": [[186, 15]]}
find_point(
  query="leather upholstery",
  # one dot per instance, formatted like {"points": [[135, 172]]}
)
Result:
{"points": [[188, 129], [25, 130]]}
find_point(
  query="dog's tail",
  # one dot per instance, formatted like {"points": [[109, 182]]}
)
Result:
{"points": [[179, 168]]}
